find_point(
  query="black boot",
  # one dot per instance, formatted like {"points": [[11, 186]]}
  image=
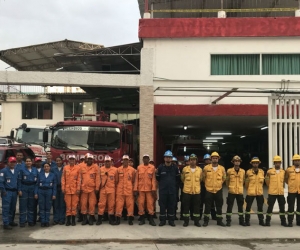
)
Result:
{"points": [[283, 221], [228, 220], [118, 220], [105, 217], [68, 221], [154, 216], [142, 220], [99, 221], [112, 220], [84, 220], [247, 220], [186, 221], [162, 221], [80, 217], [151, 221], [73, 220], [268, 221], [242, 221], [290, 220], [91, 220], [196, 222], [220, 222], [130, 220], [171, 223], [206, 220], [261, 220]]}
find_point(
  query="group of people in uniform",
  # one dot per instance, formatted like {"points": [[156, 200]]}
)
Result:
{"points": [[86, 188]]}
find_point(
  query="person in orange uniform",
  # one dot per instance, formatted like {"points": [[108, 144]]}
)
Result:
{"points": [[254, 185], [124, 194], [145, 187], [90, 182], [70, 186], [108, 181], [81, 163]]}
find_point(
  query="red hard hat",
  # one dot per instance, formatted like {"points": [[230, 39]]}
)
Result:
{"points": [[12, 159]]}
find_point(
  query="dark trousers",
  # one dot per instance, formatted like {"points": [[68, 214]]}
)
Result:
{"points": [[191, 200], [271, 201], [260, 203], [167, 203], [213, 206], [291, 206], [9, 202], [27, 204], [230, 201], [45, 203], [213, 198]]}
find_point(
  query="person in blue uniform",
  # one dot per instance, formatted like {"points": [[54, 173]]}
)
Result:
{"points": [[49, 160], [168, 177], [8, 187], [20, 160], [27, 179], [45, 193], [59, 205], [38, 166]]}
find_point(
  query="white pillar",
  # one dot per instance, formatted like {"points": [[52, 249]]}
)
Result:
{"points": [[297, 13]]}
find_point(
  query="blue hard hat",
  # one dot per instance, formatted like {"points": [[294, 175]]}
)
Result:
{"points": [[186, 158], [168, 154], [207, 156], [174, 159]]}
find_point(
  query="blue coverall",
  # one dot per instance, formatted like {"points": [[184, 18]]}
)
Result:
{"points": [[52, 164], [45, 189], [27, 204], [59, 205], [8, 187]]}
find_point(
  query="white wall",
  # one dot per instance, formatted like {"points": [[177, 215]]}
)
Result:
{"points": [[186, 63], [12, 114]]}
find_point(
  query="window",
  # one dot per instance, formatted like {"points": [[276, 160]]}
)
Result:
{"points": [[281, 64], [37, 110], [235, 64], [71, 108]]}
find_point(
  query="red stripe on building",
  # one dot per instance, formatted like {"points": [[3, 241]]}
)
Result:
{"points": [[219, 27], [210, 110]]}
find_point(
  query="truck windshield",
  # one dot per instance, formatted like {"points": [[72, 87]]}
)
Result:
{"points": [[86, 138], [33, 136]]}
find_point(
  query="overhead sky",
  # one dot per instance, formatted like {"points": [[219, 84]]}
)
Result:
{"points": [[29, 22]]}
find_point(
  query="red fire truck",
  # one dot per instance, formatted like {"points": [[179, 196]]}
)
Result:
{"points": [[100, 137]]}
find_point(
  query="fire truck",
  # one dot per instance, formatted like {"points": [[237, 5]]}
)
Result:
{"points": [[82, 135]]}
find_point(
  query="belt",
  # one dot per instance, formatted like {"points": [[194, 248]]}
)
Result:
{"points": [[45, 188], [28, 184], [11, 189]]}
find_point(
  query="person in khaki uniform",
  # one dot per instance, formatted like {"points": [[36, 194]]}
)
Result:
{"points": [[235, 182], [254, 185], [90, 181], [191, 178], [292, 178], [214, 176], [275, 182]]}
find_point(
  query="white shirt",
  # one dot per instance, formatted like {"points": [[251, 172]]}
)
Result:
{"points": [[215, 168], [12, 170], [193, 170], [59, 168], [277, 171], [297, 170], [39, 169], [46, 174]]}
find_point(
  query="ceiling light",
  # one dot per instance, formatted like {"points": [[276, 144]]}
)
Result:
{"points": [[185, 127], [184, 149], [221, 133], [210, 140], [223, 143], [215, 138], [243, 136], [208, 147], [263, 128]]}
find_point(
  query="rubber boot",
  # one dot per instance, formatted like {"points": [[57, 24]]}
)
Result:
{"points": [[242, 221], [228, 221], [105, 217], [118, 220], [261, 220], [99, 221], [220, 222], [247, 220], [142, 220], [112, 220], [213, 214], [268, 221], [171, 223], [290, 220], [68, 221], [162, 222], [283, 221], [84, 220], [80, 217], [186, 221], [151, 221], [73, 220], [91, 220], [196, 222], [130, 220], [206, 220]]}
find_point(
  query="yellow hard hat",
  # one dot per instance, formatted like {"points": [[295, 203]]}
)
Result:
{"points": [[236, 158], [277, 158], [215, 154], [255, 159], [296, 157]]}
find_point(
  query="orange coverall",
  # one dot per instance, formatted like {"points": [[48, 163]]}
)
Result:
{"points": [[108, 180], [90, 182], [70, 185], [145, 184], [124, 193]]}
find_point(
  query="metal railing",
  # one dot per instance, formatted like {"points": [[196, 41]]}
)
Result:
{"points": [[17, 89]]}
